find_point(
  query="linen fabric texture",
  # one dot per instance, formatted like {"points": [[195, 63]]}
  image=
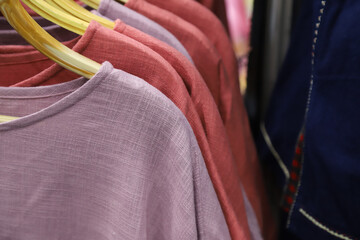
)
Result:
{"points": [[226, 94], [207, 61], [160, 74], [237, 125], [107, 158]]}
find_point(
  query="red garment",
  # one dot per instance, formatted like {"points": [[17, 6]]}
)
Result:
{"points": [[226, 92], [198, 90], [218, 8], [210, 25], [195, 42], [202, 18], [101, 44]]}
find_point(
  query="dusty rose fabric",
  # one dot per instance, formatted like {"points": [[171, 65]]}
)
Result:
{"points": [[207, 22], [227, 96], [218, 8], [200, 95], [102, 44], [105, 158], [195, 42], [141, 23], [202, 18]]}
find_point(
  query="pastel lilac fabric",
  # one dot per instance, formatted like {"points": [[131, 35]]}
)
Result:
{"points": [[107, 158]]}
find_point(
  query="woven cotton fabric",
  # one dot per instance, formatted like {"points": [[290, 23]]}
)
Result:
{"points": [[107, 158]]}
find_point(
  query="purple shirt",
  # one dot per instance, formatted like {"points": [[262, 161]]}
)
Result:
{"points": [[105, 158]]}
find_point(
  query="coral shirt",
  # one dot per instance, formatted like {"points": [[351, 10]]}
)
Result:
{"points": [[201, 17], [226, 94]]}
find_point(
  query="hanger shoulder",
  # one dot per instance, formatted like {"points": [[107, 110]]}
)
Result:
{"points": [[44, 42], [57, 16]]}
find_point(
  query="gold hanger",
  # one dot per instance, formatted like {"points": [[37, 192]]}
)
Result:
{"points": [[78, 11], [96, 3], [92, 3], [57, 16], [4, 118], [21, 21]]}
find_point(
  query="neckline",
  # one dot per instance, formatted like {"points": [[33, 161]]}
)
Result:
{"points": [[78, 88]]}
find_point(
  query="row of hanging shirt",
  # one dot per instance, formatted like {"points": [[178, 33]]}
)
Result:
{"points": [[153, 143]]}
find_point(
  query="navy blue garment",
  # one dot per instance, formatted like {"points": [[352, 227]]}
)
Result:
{"points": [[286, 110], [326, 205]]}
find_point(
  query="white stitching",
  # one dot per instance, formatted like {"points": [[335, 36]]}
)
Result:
{"points": [[323, 227], [317, 25], [274, 152]]}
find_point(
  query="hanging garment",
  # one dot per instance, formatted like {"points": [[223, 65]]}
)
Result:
{"points": [[131, 18], [140, 22], [217, 156], [204, 55], [208, 24], [325, 204], [218, 7], [95, 159], [240, 136], [225, 92], [202, 52], [330, 169]]}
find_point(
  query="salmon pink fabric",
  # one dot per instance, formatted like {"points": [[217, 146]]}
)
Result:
{"points": [[202, 18], [244, 149], [218, 8], [227, 96]]}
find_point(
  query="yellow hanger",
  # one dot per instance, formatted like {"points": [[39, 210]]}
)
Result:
{"points": [[21, 21], [92, 3], [4, 118], [78, 11], [96, 3], [57, 16]]}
